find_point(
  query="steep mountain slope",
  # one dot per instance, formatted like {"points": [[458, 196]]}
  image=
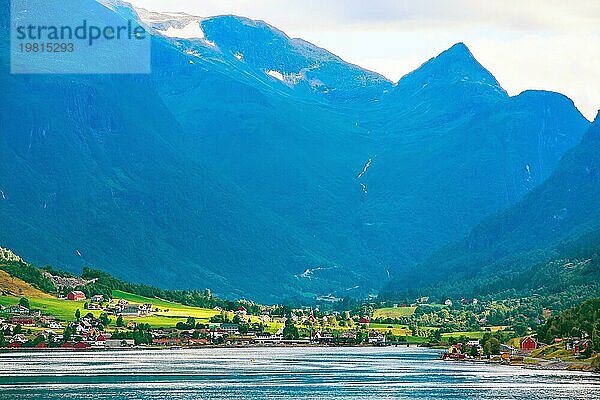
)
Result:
{"points": [[559, 218], [260, 165]]}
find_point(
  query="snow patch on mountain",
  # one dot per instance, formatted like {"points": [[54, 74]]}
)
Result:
{"points": [[189, 31], [288, 79], [275, 74], [194, 53]]}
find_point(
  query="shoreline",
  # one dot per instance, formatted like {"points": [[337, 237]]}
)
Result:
{"points": [[207, 346], [538, 364]]}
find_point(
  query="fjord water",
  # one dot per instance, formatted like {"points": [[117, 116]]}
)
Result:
{"points": [[282, 373]]}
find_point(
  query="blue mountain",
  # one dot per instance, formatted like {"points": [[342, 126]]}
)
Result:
{"points": [[559, 219], [261, 165]]}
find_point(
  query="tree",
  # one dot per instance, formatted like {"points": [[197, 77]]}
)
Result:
{"points": [[520, 329], [67, 334], [290, 331], [474, 351], [191, 322], [77, 314], [487, 348], [104, 319], [120, 321], [24, 302]]}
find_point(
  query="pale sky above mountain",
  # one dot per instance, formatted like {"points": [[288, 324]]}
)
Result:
{"points": [[527, 44]]}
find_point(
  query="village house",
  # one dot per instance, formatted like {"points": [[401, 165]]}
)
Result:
{"points": [[322, 337], [97, 298], [133, 310], [455, 352], [76, 295], [230, 328], [119, 343], [528, 344], [100, 341], [508, 349], [17, 309], [265, 318], [23, 320], [145, 309], [19, 338], [47, 332], [55, 325], [83, 327], [127, 310], [448, 302], [267, 338], [578, 346], [94, 306], [364, 321], [82, 346], [376, 338], [166, 342], [348, 336]]}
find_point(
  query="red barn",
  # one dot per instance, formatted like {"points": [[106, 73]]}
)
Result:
{"points": [[76, 295], [23, 321], [528, 344], [81, 346]]}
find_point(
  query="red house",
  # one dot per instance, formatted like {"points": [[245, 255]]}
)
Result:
{"points": [[23, 321], [76, 295], [364, 320], [66, 345], [81, 346], [528, 344], [41, 345], [14, 345]]}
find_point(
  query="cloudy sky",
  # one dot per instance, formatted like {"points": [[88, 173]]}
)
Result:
{"points": [[526, 44]]}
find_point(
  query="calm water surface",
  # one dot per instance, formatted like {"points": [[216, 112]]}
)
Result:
{"points": [[277, 373]]}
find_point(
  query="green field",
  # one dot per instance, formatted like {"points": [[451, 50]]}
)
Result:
{"points": [[175, 310], [394, 312], [63, 309], [168, 315]]}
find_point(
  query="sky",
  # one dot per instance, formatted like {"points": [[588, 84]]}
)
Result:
{"points": [[528, 44]]}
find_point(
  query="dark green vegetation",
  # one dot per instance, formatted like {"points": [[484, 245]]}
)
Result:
{"points": [[580, 321], [210, 173]]}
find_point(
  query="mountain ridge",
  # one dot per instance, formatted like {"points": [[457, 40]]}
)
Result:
{"points": [[211, 172]]}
